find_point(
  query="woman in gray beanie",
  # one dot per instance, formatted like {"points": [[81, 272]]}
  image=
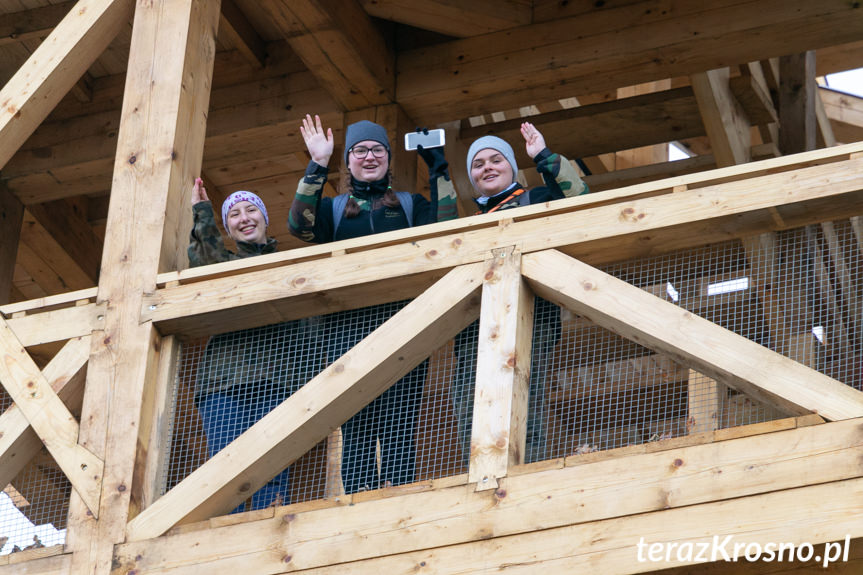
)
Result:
{"points": [[368, 205], [492, 170]]}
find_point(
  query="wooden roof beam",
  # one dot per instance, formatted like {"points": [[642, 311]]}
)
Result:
{"points": [[603, 127], [341, 46], [33, 24], [245, 38], [453, 17], [608, 49], [55, 67], [724, 119]]}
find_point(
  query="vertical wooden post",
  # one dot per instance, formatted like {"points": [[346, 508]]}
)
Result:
{"points": [[797, 118], [11, 216], [159, 147], [503, 370]]}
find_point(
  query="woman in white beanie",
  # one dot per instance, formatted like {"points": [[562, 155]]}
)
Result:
{"points": [[492, 170], [244, 374]]}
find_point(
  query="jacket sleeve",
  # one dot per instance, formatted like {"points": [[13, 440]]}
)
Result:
{"points": [[309, 219], [206, 245], [559, 174]]}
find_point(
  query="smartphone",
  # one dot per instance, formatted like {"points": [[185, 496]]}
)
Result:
{"points": [[434, 139]]}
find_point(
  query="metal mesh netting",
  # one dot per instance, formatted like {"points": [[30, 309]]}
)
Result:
{"points": [[795, 292]]}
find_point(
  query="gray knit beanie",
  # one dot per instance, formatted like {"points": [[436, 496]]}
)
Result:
{"points": [[494, 143], [365, 130]]}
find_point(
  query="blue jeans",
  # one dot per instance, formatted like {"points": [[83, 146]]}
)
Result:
{"points": [[225, 416]]}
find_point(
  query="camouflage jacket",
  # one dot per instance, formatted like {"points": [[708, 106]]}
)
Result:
{"points": [[311, 217], [561, 181], [206, 245]]}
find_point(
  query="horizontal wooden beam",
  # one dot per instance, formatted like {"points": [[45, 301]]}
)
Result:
{"points": [[321, 405], [603, 127], [691, 340], [607, 49], [726, 484], [453, 17], [580, 226]]}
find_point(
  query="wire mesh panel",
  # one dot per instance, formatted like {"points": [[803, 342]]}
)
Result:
{"points": [[35, 505], [794, 292]]}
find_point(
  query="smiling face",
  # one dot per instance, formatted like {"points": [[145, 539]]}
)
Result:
{"points": [[368, 168], [246, 223], [491, 172]]}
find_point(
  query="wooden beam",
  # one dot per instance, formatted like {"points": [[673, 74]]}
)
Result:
{"points": [[660, 489], [11, 217], [628, 44], [341, 46], [603, 127], [159, 149], [724, 119], [32, 24], [245, 38], [322, 404], [49, 417], [502, 371], [601, 234], [714, 351], [846, 114], [54, 68], [59, 324], [797, 119], [453, 17], [73, 233], [20, 442]]}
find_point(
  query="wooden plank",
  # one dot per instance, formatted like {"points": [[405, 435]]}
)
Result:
{"points": [[19, 443], [603, 127], [710, 212], [48, 302], [57, 325], [533, 502], [845, 112], [46, 251], [797, 120], [707, 347], [234, 24], [453, 17], [53, 565], [159, 147], [341, 46], [724, 119], [310, 414], [50, 419], [11, 216], [54, 68], [32, 24], [613, 48], [73, 233], [154, 433], [502, 371]]}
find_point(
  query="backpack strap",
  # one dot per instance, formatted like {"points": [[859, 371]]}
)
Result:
{"points": [[406, 199], [339, 203]]}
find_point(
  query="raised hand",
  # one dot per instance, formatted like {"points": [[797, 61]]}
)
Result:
{"points": [[199, 192], [533, 140], [318, 142]]}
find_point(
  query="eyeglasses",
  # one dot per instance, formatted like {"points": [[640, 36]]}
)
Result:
{"points": [[360, 152]]}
